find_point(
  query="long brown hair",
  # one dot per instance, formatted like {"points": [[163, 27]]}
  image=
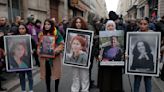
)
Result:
{"points": [[51, 30], [83, 23]]}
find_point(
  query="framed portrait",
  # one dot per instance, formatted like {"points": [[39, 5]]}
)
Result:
{"points": [[18, 53], [111, 48], [47, 46], [78, 46], [143, 49]]}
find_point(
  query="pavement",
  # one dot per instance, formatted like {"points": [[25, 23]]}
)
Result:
{"points": [[159, 83], [13, 84]]}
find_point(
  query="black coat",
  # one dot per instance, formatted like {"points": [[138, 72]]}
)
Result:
{"points": [[143, 63], [5, 29], [110, 77], [162, 73], [160, 27], [14, 28]]}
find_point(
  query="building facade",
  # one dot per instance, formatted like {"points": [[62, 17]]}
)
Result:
{"points": [[42, 9], [24, 8], [99, 7], [78, 8], [3, 8], [160, 8], [153, 8], [39, 8], [137, 9], [122, 7], [142, 9], [127, 8]]}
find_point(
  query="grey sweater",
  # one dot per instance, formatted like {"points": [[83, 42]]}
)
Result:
{"points": [[80, 60]]}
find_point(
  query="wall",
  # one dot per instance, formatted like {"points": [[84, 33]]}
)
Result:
{"points": [[3, 8]]}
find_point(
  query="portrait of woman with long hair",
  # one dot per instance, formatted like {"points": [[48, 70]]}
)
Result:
{"points": [[142, 57]]}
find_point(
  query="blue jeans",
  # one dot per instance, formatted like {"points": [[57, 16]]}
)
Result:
{"points": [[23, 79], [147, 81]]}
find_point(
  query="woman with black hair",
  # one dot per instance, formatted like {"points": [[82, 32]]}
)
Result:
{"points": [[17, 55], [144, 55], [143, 59], [110, 77], [51, 66]]}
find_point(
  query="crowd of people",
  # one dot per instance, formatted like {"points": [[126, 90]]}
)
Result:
{"points": [[109, 77]]}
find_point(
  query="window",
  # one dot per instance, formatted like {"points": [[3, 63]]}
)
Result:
{"points": [[77, 12], [142, 10], [13, 9]]}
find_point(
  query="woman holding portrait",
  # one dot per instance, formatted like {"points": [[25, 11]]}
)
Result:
{"points": [[110, 77], [80, 75], [51, 67], [144, 55], [20, 59]]}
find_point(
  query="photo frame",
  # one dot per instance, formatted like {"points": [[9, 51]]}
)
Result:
{"points": [[47, 46], [18, 53], [143, 49], [78, 46], [111, 48]]}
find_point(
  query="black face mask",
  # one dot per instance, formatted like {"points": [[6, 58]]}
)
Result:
{"points": [[38, 26]]}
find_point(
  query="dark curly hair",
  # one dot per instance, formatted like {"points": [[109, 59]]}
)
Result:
{"points": [[137, 53], [83, 22]]}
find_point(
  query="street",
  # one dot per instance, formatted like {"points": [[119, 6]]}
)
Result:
{"points": [[47, 23], [66, 80]]}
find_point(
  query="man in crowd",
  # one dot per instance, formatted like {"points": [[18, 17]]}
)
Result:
{"points": [[14, 26], [4, 29]]}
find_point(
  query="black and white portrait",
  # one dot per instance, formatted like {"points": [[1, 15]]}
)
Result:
{"points": [[143, 52], [78, 48]]}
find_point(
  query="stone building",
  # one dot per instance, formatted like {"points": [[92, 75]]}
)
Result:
{"points": [[24, 8], [42, 9], [98, 7], [160, 8], [137, 9]]}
